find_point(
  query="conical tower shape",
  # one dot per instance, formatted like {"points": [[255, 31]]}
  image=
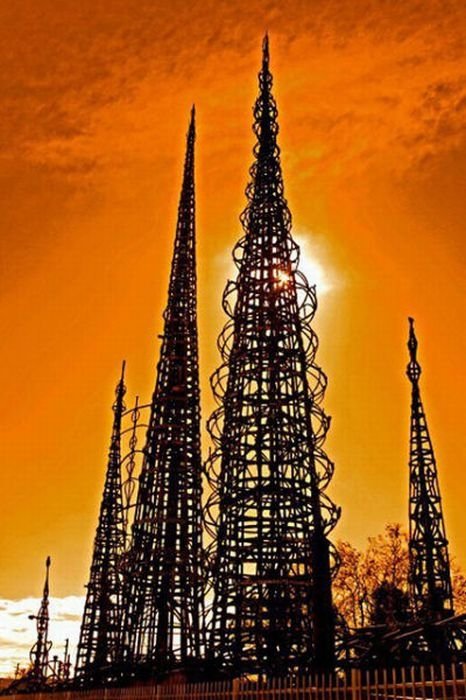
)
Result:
{"points": [[101, 625], [164, 608], [429, 576], [268, 516]]}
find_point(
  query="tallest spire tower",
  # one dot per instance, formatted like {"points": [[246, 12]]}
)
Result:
{"points": [[268, 514], [163, 616]]}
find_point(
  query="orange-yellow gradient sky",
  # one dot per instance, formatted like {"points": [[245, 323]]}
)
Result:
{"points": [[95, 98]]}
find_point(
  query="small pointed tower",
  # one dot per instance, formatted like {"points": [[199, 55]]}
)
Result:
{"points": [[101, 623], [268, 514], [429, 576], [40, 651], [163, 595]]}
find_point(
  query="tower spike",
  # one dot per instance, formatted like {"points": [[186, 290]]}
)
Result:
{"points": [[429, 573], [40, 651], [164, 610], [265, 52], [48, 562], [101, 624], [267, 513]]}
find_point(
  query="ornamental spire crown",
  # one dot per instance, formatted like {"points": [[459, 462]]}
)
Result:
{"points": [[413, 369]]}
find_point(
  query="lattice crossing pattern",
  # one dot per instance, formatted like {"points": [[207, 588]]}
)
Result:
{"points": [[98, 648], [163, 624], [39, 654], [267, 513], [429, 579]]}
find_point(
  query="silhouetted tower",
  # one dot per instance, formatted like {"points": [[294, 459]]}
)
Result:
{"points": [[272, 562], [101, 625], [429, 578], [39, 655], [163, 599]]}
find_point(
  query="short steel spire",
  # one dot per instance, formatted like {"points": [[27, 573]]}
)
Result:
{"points": [[40, 651], [101, 625], [163, 625], [429, 578]]}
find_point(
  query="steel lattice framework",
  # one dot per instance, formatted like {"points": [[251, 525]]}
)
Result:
{"points": [[41, 674], [163, 623], [444, 635], [267, 513], [429, 577], [40, 651], [98, 646], [433, 634]]}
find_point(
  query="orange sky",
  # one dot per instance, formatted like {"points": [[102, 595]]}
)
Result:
{"points": [[95, 100]]}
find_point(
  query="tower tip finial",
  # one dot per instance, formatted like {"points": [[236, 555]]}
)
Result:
{"points": [[123, 368], [412, 336], [48, 561], [265, 49], [192, 123], [414, 369]]}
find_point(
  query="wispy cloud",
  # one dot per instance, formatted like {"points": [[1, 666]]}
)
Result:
{"points": [[82, 84]]}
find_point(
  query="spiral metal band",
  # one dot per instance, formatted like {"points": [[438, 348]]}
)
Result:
{"points": [[267, 513]]}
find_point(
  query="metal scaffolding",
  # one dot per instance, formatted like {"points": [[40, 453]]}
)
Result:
{"points": [[163, 591], [98, 648], [267, 513]]}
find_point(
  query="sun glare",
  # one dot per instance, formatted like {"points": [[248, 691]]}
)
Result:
{"points": [[310, 266], [316, 273], [282, 278]]}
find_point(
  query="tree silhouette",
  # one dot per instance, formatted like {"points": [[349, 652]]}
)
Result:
{"points": [[371, 586]]}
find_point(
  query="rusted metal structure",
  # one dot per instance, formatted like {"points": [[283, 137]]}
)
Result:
{"points": [[41, 672], [429, 577], [163, 591], [268, 513], [430, 587], [433, 633], [39, 655], [98, 647]]}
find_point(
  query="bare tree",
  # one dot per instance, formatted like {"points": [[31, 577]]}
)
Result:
{"points": [[372, 585]]}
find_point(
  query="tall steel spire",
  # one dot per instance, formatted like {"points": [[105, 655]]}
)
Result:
{"points": [[429, 578], [268, 514], [164, 609], [101, 624]]}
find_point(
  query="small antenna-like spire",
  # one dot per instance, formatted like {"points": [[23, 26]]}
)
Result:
{"points": [[265, 52], [39, 653], [413, 369], [48, 561], [192, 125]]}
